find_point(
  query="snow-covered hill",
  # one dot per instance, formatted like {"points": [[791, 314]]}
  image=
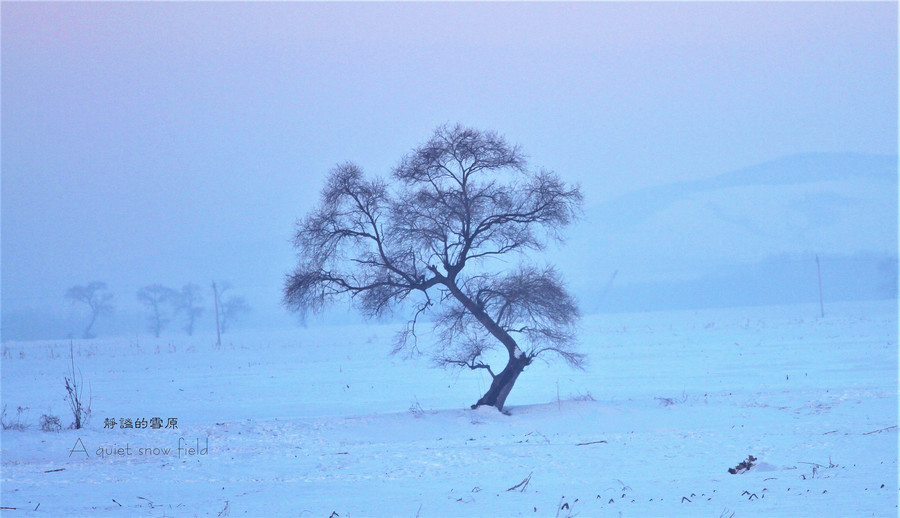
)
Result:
{"points": [[825, 203], [759, 226]]}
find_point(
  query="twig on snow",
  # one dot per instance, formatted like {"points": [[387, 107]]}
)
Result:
{"points": [[563, 505], [522, 485], [882, 430]]}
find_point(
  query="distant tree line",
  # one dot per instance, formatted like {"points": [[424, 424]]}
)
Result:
{"points": [[163, 305]]}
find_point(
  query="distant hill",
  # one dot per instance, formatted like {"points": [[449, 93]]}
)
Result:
{"points": [[740, 237], [796, 170]]}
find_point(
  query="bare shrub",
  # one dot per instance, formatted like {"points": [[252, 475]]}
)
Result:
{"points": [[50, 423], [81, 412], [670, 401], [587, 396], [16, 423], [416, 409]]}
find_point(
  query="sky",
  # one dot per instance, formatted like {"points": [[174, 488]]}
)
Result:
{"points": [[149, 142]]}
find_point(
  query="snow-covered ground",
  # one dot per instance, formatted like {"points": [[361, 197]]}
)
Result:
{"points": [[324, 422]]}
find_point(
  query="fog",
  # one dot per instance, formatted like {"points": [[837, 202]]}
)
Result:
{"points": [[723, 149]]}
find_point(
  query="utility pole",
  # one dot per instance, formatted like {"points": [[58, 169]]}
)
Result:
{"points": [[216, 302], [819, 274]]}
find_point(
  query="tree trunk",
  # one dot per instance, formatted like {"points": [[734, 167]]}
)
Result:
{"points": [[87, 330], [503, 383]]}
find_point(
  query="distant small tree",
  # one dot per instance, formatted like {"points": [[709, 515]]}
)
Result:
{"points": [[443, 232], [98, 299], [190, 304], [156, 298]]}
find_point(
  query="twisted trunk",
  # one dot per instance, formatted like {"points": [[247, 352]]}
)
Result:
{"points": [[503, 383], [506, 379]]}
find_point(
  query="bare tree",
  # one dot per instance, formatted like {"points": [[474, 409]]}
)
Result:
{"points": [[442, 234], [156, 297], [190, 303], [97, 298]]}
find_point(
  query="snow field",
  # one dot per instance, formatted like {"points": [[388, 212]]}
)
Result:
{"points": [[318, 421]]}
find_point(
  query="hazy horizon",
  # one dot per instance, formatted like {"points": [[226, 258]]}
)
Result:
{"points": [[178, 143]]}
